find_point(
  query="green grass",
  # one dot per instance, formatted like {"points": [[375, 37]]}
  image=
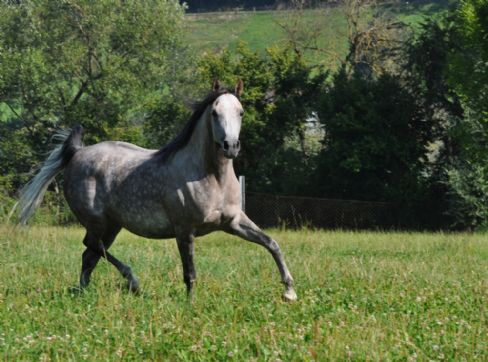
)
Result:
{"points": [[362, 296], [211, 32]]}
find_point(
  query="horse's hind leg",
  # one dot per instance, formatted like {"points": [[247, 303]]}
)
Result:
{"points": [[97, 247], [89, 261], [90, 258], [125, 270]]}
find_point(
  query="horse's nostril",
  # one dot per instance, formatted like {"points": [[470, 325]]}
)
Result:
{"points": [[226, 145], [238, 144]]}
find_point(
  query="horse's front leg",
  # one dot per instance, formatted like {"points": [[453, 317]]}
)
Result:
{"points": [[185, 246], [242, 226]]}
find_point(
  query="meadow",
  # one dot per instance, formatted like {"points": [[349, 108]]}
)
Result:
{"points": [[362, 296], [212, 32]]}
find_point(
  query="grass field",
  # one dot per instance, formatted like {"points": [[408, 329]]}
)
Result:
{"points": [[362, 296], [211, 32]]}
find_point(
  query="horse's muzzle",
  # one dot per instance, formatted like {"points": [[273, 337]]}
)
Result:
{"points": [[231, 148]]}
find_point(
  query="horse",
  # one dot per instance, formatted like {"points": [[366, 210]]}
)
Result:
{"points": [[186, 189]]}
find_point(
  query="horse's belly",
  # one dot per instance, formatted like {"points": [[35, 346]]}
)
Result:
{"points": [[149, 223]]}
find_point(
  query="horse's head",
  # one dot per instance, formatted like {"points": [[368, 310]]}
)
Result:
{"points": [[226, 118]]}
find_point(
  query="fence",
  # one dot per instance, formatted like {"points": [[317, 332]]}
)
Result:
{"points": [[271, 211]]}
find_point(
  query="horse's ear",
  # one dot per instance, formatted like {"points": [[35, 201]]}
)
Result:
{"points": [[216, 85], [239, 88]]}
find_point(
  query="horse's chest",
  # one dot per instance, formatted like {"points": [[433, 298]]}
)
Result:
{"points": [[202, 203]]}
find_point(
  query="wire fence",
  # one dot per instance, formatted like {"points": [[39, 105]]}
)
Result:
{"points": [[275, 211]]}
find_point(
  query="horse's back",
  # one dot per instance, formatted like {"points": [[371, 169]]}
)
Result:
{"points": [[108, 160], [110, 150]]}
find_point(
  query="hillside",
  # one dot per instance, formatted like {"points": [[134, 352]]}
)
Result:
{"points": [[211, 32]]}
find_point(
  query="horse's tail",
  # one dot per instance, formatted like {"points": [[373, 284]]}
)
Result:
{"points": [[32, 193]]}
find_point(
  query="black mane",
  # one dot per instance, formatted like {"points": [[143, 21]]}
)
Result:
{"points": [[182, 139]]}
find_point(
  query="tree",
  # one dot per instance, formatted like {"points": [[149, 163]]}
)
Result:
{"points": [[468, 72], [467, 175], [94, 63], [374, 38], [375, 141], [446, 71]]}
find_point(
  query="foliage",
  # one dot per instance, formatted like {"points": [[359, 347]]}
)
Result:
{"points": [[469, 63], [427, 66], [16, 154], [81, 62], [165, 117], [467, 174], [374, 147], [468, 75], [376, 135], [6, 202], [447, 73], [424, 71], [468, 196], [373, 38]]}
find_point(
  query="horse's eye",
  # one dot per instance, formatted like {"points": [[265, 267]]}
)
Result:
{"points": [[214, 113]]}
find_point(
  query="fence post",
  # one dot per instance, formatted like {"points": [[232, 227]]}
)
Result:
{"points": [[242, 181]]}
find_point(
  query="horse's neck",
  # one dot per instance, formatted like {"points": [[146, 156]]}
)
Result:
{"points": [[201, 149]]}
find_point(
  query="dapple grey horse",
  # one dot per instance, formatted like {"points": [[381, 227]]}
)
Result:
{"points": [[186, 189]]}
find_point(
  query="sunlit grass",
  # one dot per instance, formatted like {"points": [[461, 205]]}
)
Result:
{"points": [[361, 296]]}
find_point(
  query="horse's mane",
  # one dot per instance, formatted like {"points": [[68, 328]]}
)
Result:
{"points": [[182, 139]]}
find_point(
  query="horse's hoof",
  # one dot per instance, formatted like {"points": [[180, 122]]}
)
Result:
{"points": [[133, 285], [290, 295]]}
